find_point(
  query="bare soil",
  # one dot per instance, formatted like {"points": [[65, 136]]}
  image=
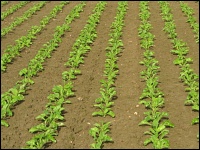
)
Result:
{"points": [[125, 131]]}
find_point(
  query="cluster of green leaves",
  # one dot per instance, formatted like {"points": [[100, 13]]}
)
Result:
{"points": [[12, 9], [25, 41], [17, 21], [111, 69], [4, 3], [189, 12], [35, 65], [99, 133], [152, 97], [187, 74]]}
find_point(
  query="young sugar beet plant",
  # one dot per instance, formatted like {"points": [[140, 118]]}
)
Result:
{"points": [[158, 121], [188, 11], [34, 66], [50, 123], [17, 21], [25, 41], [12, 9], [104, 103], [187, 75]]}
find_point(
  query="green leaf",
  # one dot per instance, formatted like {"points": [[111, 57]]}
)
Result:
{"points": [[111, 113], [153, 132], [167, 123], [100, 113], [147, 141], [99, 100], [147, 133], [107, 138], [163, 133], [93, 131], [160, 128], [4, 123], [144, 122], [40, 127], [93, 145], [195, 107], [146, 103], [109, 104], [195, 120], [50, 137], [101, 106], [161, 144], [60, 124], [41, 116], [23, 72]]}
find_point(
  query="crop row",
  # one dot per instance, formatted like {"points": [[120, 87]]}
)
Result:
{"points": [[80, 47], [187, 75], [154, 118], [16, 94], [4, 3], [12, 9], [17, 21], [152, 97], [25, 41], [189, 12], [99, 132], [52, 117]]}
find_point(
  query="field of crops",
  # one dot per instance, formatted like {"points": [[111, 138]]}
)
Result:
{"points": [[99, 74]]}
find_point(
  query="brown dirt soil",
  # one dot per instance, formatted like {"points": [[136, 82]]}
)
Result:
{"points": [[125, 131]]}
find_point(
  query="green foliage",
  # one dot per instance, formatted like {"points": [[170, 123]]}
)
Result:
{"points": [[189, 12], [34, 66], [155, 119], [12, 9], [99, 133], [17, 21], [104, 103], [187, 75], [26, 41]]}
